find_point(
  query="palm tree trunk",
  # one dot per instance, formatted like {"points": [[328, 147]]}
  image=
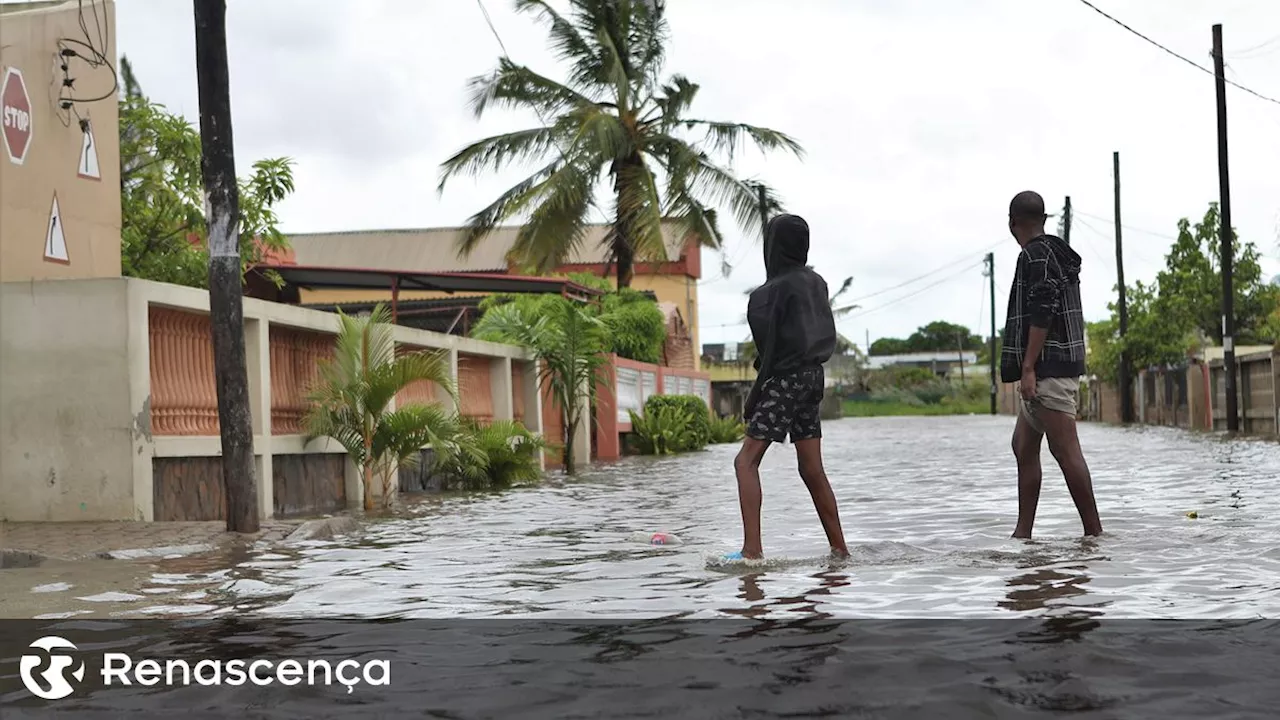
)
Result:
{"points": [[368, 472], [624, 253], [570, 431]]}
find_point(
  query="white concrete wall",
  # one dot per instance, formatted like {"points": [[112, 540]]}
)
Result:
{"points": [[75, 381], [66, 417]]}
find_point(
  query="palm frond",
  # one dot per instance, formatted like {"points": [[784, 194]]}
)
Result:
{"points": [[728, 137], [518, 87], [497, 152]]}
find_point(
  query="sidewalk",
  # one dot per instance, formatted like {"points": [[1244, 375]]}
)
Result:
{"points": [[89, 540]]}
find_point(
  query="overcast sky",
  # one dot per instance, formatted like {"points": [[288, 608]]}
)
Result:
{"points": [[921, 119]]}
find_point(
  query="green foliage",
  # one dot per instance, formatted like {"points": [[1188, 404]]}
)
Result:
{"points": [[663, 430], [727, 430], [162, 196], [637, 329], [613, 115], [501, 454], [350, 401], [937, 336], [699, 415], [1174, 315], [672, 424], [569, 344], [897, 376], [634, 327]]}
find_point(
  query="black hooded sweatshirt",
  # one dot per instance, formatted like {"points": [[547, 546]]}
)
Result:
{"points": [[790, 314], [1045, 294]]}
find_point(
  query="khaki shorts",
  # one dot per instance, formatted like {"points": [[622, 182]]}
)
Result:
{"points": [[1052, 395]]}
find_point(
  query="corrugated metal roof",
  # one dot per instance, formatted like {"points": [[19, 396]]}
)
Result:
{"points": [[435, 249]]}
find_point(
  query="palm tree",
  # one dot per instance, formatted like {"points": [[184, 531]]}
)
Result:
{"points": [[569, 345], [613, 117], [356, 385]]}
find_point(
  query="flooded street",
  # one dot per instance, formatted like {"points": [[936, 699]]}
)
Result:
{"points": [[549, 602], [927, 503]]}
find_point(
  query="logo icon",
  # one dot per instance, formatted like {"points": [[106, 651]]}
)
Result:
{"points": [[54, 685]]}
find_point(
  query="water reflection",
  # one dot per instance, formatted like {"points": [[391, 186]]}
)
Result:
{"points": [[928, 528]]}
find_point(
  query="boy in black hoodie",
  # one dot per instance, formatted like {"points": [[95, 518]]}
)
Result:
{"points": [[1044, 353], [795, 333]]}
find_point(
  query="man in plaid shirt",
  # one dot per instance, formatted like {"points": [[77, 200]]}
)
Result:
{"points": [[1044, 353]]}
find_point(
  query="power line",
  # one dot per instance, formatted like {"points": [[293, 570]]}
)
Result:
{"points": [[1183, 58], [910, 295], [1153, 233], [918, 278], [1245, 53]]}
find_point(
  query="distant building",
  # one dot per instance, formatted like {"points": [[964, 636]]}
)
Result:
{"points": [[943, 364]]}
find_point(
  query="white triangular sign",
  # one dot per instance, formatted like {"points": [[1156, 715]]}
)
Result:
{"points": [[89, 156], [55, 242]]}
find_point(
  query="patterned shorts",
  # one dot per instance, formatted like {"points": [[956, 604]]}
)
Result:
{"points": [[788, 404]]}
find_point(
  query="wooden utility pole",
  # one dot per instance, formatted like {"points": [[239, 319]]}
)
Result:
{"points": [[995, 361], [1066, 221], [960, 353], [1126, 389], [226, 313], [764, 211], [1228, 253]]}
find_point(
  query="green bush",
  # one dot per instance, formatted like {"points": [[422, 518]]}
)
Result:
{"points": [[727, 430], [499, 455], [662, 430], [699, 414]]}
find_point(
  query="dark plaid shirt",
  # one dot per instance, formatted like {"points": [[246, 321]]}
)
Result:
{"points": [[1046, 294]]}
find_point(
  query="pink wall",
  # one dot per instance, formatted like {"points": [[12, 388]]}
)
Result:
{"points": [[609, 427]]}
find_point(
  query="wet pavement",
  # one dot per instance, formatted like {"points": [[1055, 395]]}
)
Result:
{"points": [[480, 581], [927, 505]]}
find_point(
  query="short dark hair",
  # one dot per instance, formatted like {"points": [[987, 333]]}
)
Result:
{"points": [[1027, 206]]}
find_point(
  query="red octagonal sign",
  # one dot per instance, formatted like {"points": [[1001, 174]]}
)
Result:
{"points": [[15, 115]]}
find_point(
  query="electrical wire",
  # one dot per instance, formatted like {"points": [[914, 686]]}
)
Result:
{"points": [[1112, 221], [1183, 58], [918, 278], [536, 110], [1248, 53], [910, 295]]}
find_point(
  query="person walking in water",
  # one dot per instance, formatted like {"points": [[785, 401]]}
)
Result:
{"points": [[794, 333], [1044, 353]]}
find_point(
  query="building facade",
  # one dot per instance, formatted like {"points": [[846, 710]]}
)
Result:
{"points": [[59, 154], [674, 283]]}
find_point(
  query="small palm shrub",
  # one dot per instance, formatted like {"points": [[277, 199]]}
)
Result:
{"points": [[662, 430], [501, 454], [699, 416], [727, 430]]}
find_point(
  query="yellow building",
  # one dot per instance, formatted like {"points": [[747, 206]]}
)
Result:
{"points": [[59, 155], [433, 250]]}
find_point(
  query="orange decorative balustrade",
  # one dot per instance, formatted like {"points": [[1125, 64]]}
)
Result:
{"points": [[421, 392], [475, 395], [295, 368], [184, 398]]}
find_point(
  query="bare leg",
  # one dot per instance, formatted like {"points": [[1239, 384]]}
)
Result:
{"points": [[1026, 450], [750, 498], [809, 455], [1064, 444]]}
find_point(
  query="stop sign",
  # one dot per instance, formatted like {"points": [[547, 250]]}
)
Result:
{"points": [[15, 115]]}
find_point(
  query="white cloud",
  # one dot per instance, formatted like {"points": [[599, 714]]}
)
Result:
{"points": [[921, 119]]}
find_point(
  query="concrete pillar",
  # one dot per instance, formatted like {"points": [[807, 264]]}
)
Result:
{"points": [[451, 403], [138, 347], [501, 388], [532, 386], [257, 348]]}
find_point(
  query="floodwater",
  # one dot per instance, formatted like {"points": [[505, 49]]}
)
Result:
{"points": [[927, 505]]}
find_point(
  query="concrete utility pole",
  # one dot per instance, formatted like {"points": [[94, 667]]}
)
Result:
{"points": [[1226, 242], [1066, 221], [226, 312], [1126, 386]]}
